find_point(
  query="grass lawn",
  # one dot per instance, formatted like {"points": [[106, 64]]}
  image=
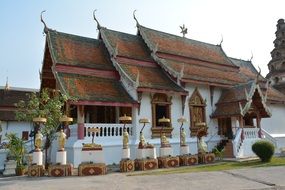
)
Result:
{"points": [[218, 166]]}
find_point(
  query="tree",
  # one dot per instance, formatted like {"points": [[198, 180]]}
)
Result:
{"points": [[48, 104]]}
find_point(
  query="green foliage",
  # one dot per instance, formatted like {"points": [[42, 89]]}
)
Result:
{"points": [[218, 153], [17, 148], [264, 150], [47, 104]]}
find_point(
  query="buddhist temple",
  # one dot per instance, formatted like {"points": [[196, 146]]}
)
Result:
{"points": [[154, 74]]}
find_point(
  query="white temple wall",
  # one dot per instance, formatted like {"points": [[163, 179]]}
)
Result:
{"points": [[276, 123], [12, 127], [16, 127], [145, 112]]}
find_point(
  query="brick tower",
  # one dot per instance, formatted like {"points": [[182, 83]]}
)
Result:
{"points": [[276, 65]]}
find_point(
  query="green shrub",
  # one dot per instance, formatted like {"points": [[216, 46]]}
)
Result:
{"points": [[264, 150]]}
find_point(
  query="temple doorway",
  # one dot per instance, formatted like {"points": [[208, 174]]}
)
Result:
{"points": [[225, 127]]}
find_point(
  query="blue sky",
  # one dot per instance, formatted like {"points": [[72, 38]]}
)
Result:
{"points": [[246, 26]]}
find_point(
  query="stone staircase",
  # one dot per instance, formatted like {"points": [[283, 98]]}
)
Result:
{"points": [[229, 153], [10, 166]]}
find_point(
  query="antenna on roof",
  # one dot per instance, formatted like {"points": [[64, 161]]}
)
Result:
{"points": [[222, 40], [98, 24], [251, 56], [134, 14], [45, 26], [184, 30]]}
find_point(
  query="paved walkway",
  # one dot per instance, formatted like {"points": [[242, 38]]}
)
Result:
{"points": [[257, 178]]}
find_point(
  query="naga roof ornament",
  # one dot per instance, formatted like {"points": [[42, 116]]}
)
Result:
{"points": [[134, 14], [45, 26], [94, 16]]}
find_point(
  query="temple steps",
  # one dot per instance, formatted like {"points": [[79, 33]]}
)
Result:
{"points": [[229, 152]]}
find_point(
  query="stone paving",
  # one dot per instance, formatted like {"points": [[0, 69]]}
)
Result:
{"points": [[254, 178]]}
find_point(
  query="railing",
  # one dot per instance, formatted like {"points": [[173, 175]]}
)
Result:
{"points": [[269, 137], [106, 129], [251, 133], [237, 142]]}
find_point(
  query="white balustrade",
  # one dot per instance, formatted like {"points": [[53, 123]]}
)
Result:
{"points": [[237, 142], [251, 133], [269, 138], [106, 130]]}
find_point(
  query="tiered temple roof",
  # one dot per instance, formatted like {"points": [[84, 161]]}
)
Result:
{"points": [[93, 70], [189, 60], [83, 69]]}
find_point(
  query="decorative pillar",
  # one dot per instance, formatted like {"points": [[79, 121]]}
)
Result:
{"points": [[258, 119], [80, 122], [241, 123]]}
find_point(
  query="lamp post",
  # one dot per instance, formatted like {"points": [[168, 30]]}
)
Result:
{"points": [[181, 120]]}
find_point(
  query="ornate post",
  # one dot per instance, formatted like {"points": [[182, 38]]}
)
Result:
{"points": [[80, 122]]}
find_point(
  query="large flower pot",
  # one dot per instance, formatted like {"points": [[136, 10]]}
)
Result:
{"points": [[20, 171]]}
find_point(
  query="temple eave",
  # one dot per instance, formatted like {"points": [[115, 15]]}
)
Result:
{"points": [[102, 103]]}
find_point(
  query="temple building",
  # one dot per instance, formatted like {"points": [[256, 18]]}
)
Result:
{"points": [[152, 75], [9, 96]]}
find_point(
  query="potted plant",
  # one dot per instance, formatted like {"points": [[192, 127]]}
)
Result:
{"points": [[17, 150]]}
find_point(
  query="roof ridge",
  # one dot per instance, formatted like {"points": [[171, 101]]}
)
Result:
{"points": [[206, 43], [119, 32], [72, 35]]}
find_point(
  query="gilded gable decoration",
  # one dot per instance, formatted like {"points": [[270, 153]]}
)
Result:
{"points": [[197, 112]]}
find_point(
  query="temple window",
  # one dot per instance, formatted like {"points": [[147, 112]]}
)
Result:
{"points": [[161, 106], [25, 135], [197, 112]]}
